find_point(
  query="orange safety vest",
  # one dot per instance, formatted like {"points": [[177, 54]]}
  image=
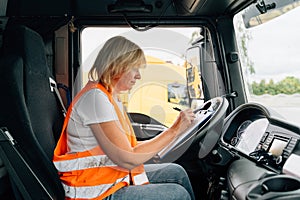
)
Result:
{"points": [[91, 174]]}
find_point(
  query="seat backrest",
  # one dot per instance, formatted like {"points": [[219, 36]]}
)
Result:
{"points": [[29, 109]]}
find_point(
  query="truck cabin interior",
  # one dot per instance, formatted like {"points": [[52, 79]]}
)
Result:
{"points": [[40, 60]]}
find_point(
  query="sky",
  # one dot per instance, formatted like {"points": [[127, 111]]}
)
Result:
{"points": [[275, 47]]}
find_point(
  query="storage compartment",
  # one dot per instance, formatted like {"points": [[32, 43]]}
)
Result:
{"points": [[275, 187]]}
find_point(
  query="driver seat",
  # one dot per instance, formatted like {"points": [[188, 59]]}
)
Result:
{"points": [[31, 114]]}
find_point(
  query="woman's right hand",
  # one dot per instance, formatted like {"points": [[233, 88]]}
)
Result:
{"points": [[183, 121]]}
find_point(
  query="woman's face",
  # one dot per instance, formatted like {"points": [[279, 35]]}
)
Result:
{"points": [[127, 80]]}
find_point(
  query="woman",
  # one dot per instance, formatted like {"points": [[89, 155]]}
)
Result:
{"points": [[97, 156]]}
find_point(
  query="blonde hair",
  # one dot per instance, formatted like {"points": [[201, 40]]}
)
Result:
{"points": [[117, 56]]}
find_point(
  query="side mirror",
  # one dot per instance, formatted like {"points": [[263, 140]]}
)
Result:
{"points": [[193, 75]]}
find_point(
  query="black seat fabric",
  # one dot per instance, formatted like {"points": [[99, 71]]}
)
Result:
{"points": [[29, 109]]}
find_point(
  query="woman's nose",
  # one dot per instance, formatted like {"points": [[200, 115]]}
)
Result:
{"points": [[138, 75]]}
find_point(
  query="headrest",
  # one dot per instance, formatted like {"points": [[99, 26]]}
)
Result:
{"points": [[28, 44]]}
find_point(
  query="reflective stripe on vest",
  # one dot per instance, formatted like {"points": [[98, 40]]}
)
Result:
{"points": [[90, 192], [84, 163], [140, 179], [91, 174]]}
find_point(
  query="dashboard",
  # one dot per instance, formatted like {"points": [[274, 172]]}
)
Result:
{"points": [[265, 147], [254, 133]]}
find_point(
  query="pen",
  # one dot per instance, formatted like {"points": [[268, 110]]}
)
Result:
{"points": [[176, 108]]}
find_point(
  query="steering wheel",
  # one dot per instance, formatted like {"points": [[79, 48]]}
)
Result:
{"points": [[204, 131]]}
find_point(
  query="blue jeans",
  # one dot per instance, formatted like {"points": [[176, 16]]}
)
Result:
{"points": [[167, 182]]}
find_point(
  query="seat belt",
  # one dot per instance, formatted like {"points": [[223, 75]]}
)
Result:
{"points": [[19, 169], [53, 88], [68, 94]]}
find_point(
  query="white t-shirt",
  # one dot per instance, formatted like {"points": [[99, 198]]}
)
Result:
{"points": [[92, 107]]}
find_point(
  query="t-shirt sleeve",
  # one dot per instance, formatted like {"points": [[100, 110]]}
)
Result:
{"points": [[95, 107]]}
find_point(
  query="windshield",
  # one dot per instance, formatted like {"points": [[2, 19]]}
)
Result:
{"points": [[269, 55]]}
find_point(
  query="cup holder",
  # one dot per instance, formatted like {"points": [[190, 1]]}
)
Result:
{"points": [[275, 187]]}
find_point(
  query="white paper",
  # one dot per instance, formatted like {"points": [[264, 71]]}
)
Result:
{"points": [[201, 116]]}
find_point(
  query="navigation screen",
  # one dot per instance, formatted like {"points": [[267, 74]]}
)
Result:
{"points": [[277, 147]]}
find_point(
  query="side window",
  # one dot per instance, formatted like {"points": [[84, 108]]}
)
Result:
{"points": [[163, 84]]}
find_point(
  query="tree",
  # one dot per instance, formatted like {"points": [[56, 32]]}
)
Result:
{"points": [[289, 85]]}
